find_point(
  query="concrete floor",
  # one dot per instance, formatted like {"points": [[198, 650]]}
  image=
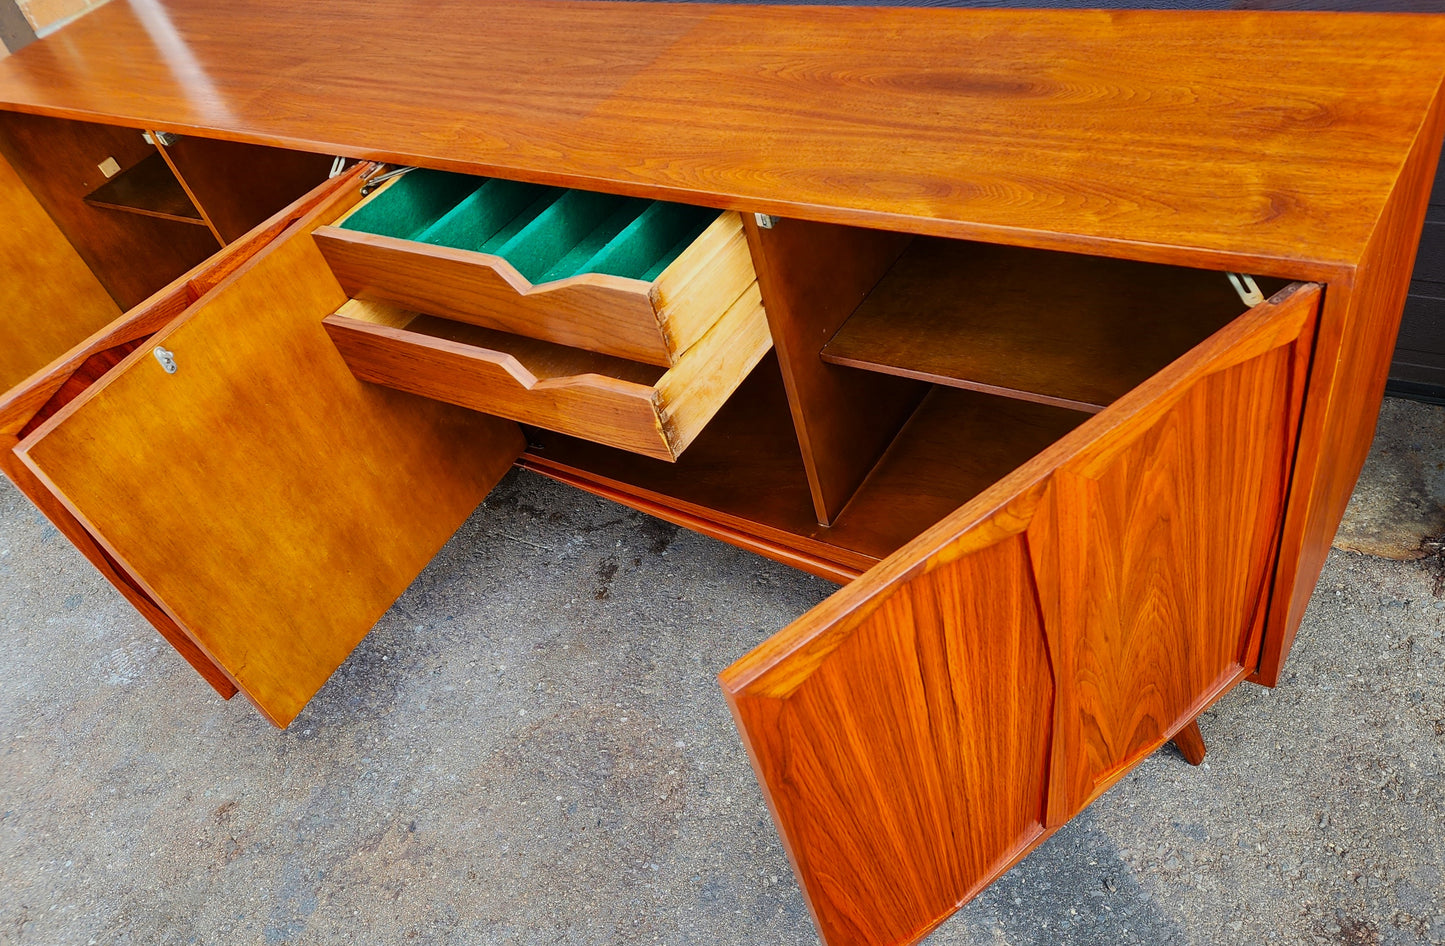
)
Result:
{"points": [[530, 748]]}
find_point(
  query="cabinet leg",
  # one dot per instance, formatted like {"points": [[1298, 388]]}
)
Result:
{"points": [[1190, 743]]}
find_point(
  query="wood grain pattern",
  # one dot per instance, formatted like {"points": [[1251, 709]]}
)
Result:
{"points": [[652, 322], [1046, 128], [49, 299], [1153, 552], [863, 711], [1190, 743], [238, 186], [623, 404], [813, 276], [1358, 327], [243, 490], [26, 406], [905, 769], [131, 255], [1056, 328]]}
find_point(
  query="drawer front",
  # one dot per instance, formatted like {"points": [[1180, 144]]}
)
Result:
{"points": [[635, 407], [929, 724], [268, 502], [635, 279]]}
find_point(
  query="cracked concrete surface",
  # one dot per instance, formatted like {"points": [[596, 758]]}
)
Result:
{"points": [[531, 748]]}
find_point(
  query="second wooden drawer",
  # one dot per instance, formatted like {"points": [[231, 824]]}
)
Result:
{"points": [[625, 404]]}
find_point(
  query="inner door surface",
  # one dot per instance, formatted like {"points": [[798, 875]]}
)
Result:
{"points": [[273, 505], [926, 726]]}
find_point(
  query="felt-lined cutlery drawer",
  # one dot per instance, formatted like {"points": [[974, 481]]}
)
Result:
{"points": [[637, 279]]}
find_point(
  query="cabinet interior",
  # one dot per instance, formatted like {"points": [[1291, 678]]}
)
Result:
{"points": [[1056, 328], [1007, 349], [991, 353], [150, 189]]}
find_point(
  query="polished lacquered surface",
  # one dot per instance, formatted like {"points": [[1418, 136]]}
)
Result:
{"points": [[1267, 138]]}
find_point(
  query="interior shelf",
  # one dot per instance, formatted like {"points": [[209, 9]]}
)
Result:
{"points": [[746, 468], [1055, 328], [148, 188]]}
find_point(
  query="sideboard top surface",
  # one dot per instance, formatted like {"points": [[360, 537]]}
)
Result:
{"points": [[1240, 137]]}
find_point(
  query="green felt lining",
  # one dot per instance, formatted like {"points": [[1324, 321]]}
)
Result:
{"points": [[409, 206], [546, 233], [652, 241]]}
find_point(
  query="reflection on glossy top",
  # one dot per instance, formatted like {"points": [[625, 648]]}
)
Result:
{"points": [[1262, 137]]}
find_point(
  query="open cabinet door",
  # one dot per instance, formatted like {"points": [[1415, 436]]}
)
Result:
{"points": [[926, 726], [269, 502]]}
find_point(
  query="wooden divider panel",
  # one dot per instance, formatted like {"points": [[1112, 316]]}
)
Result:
{"points": [[813, 276], [273, 505], [49, 298], [927, 725]]}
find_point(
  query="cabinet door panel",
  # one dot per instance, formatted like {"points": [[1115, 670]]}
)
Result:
{"points": [[273, 505], [927, 725]]}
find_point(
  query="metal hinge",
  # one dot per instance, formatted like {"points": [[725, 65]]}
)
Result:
{"points": [[160, 138], [766, 221], [1248, 290], [376, 180]]}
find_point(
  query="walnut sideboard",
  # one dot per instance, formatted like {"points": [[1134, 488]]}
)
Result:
{"points": [[1056, 338]]}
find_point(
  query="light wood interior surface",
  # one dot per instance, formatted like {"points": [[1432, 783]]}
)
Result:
{"points": [[262, 463], [1056, 328], [49, 298]]}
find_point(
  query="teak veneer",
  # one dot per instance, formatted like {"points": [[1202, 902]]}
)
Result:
{"points": [[938, 312]]}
